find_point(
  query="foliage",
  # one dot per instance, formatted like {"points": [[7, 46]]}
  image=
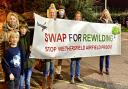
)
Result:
{"points": [[85, 6], [124, 29], [115, 30], [41, 6]]}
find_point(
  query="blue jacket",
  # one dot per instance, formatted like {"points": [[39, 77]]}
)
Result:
{"points": [[12, 62]]}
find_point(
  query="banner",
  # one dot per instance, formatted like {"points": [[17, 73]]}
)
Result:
{"points": [[60, 39]]}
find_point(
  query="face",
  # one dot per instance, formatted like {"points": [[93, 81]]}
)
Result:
{"points": [[14, 39], [23, 30], [61, 12], [52, 13], [12, 21], [78, 17]]}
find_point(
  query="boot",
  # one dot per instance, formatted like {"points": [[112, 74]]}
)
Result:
{"points": [[59, 77], [107, 71], [72, 80], [101, 71], [79, 79], [50, 82], [44, 83], [58, 73]]}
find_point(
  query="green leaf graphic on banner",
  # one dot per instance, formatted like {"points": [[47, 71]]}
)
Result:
{"points": [[115, 30]]}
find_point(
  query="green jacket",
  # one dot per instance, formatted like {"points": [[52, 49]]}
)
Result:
{"points": [[25, 43]]}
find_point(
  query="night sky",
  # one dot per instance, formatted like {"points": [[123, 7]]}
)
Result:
{"points": [[118, 3]]}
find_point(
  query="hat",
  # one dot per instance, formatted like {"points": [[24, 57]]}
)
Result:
{"points": [[61, 7]]}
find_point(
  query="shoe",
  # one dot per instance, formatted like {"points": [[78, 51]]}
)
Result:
{"points": [[79, 79], [59, 77], [50, 82], [50, 88], [72, 81], [107, 72], [101, 73], [44, 83]]}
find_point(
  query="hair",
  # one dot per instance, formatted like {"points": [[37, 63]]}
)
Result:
{"points": [[8, 18], [61, 7], [78, 12], [105, 15], [12, 14], [52, 6], [23, 25], [12, 34]]}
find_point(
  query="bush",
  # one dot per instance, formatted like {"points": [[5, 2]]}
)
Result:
{"points": [[124, 29]]}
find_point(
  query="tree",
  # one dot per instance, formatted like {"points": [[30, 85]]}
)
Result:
{"points": [[85, 6], [41, 6]]}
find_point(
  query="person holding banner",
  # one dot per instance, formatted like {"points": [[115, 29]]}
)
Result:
{"points": [[48, 70], [62, 15], [75, 62], [52, 5], [105, 18], [25, 43], [61, 12]]}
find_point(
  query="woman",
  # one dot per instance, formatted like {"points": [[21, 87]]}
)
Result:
{"points": [[48, 70], [61, 15], [12, 22], [105, 18], [75, 70]]}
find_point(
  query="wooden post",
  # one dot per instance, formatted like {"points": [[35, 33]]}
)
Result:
{"points": [[105, 4]]}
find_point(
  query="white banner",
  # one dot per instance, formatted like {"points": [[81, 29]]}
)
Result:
{"points": [[60, 39]]}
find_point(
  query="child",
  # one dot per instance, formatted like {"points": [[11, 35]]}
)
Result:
{"points": [[25, 43], [12, 61], [75, 62]]}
